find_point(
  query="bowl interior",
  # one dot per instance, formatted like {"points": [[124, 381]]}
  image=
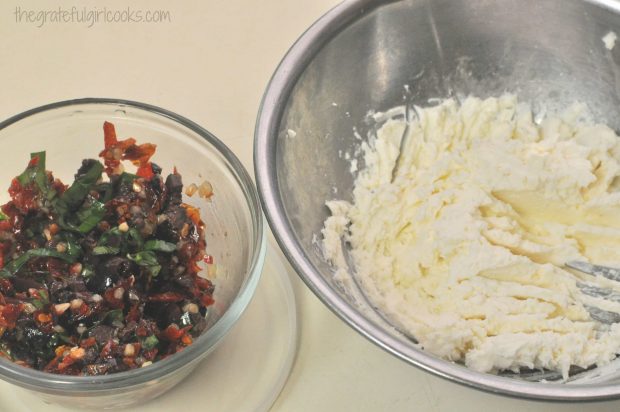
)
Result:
{"points": [[361, 58]]}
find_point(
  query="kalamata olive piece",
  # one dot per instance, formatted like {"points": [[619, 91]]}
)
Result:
{"points": [[116, 267], [100, 282], [102, 333], [174, 185], [165, 231], [22, 284]]}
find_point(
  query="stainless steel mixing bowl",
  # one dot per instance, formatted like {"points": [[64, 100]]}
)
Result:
{"points": [[359, 57]]}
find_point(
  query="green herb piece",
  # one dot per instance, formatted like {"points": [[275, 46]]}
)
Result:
{"points": [[134, 239], [103, 188], [62, 222], [91, 216], [3, 216], [146, 259], [42, 300], [150, 342], [160, 246], [35, 173], [45, 296], [105, 236], [105, 250], [73, 197], [112, 316], [87, 272], [73, 249], [11, 268], [127, 178]]}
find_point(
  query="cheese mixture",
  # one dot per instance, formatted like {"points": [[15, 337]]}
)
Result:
{"points": [[464, 249]]}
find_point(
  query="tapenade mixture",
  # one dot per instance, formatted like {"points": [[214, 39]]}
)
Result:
{"points": [[100, 276]]}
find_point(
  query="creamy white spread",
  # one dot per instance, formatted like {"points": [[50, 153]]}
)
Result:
{"points": [[465, 248], [610, 40]]}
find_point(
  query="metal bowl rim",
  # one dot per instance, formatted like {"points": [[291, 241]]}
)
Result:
{"points": [[266, 132]]}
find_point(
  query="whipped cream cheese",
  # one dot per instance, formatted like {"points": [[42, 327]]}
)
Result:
{"points": [[465, 248]]}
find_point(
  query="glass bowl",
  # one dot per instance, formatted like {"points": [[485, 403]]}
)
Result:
{"points": [[72, 130]]}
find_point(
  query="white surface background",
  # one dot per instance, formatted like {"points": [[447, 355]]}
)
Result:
{"points": [[211, 63]]}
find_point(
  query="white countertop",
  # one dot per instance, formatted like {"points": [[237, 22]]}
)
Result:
{"points": [[211, 63]]}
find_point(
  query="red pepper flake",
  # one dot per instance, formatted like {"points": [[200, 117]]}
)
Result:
{"points": [[87, 343], [5, 225], [108, 349], [141, 331], [207, 300], [150, 354], [133, 314], [137, 346], [208, 259], [173, 333], [5, 286], [117, 150], [83, 311], [193, 266], [53, 364], [43, 317], [166, 297], [67, 361], [145, 171], [23, 197], [186, 339], [193, 214], [34, 161], [110, 296], [9, 314], [202, 283]]}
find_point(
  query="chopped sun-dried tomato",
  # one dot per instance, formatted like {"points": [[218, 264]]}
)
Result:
{"points": [[117, 150], [167, 297], [173, 332], [100, 273], [9, 315]]}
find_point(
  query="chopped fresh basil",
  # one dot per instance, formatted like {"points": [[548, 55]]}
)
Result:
{"points": [[104, 239], [150, 342], [73, 197], [12, 267], [45, 297], [134, 239], [35, 173], [87, 272], [146, 259], [160, 246], [112, 316], [91, 216], [105, 250]]}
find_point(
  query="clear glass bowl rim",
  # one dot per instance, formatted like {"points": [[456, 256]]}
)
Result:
{"points": [[53, 383]]}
